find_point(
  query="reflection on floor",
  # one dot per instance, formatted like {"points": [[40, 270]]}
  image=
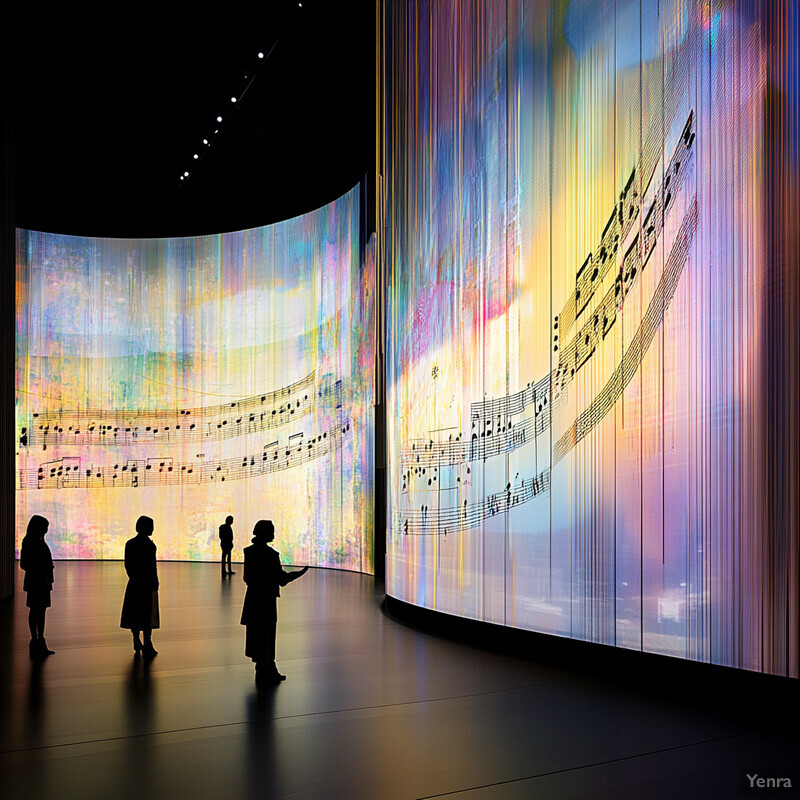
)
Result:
{"points": [[371, 708]]}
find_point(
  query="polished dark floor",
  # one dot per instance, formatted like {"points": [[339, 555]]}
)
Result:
{"points": [[371, 708]]}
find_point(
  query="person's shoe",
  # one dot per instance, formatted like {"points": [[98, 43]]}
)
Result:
{"points": [[231, 572], [33, 648], [269, 679], [137, 647], [43, 649], [148, 651]]}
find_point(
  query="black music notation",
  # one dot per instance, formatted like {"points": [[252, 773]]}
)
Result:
{"points": [[489, 437], [632, 359], [597, 264], [535, 395], [493, 432], [70, 472], [583, 345], [455, 519], [254, 414]]}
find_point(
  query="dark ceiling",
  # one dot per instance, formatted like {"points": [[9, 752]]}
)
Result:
{"points": [[109, 110]]}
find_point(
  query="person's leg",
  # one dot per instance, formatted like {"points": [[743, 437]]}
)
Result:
{"points": [[40, 627], [34, 647], [228, 556], [222, 563], [272, 632], [137, 642], [148, 648]]}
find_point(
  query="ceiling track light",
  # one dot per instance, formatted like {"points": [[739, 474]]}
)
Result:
{"points": [[249, 77]]}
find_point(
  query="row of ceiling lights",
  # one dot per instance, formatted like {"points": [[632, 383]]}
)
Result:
{"points": [[234, 100]]}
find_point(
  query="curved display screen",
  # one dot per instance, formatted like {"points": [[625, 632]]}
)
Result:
{"points": [[589, 312], [194, 378]]}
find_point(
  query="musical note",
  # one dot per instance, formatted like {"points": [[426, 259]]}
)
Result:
{"points": [[597, 265], [509, 437], [250, 415], [490, 417], [66, 472], [651, 321], [440, 521]]}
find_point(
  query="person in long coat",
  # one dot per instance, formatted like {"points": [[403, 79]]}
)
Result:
{"points": [[37, 562], [140, 606], [264, 576]]}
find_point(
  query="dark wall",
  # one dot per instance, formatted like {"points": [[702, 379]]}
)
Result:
{"points": [[7, 374]]}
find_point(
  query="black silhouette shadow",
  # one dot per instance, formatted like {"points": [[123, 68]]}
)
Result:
{"points": [[226, 545], [37, 562], [264, 576], [140, 611]]}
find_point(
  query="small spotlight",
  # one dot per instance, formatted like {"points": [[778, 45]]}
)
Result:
{"points": [[219, 119], [186, 174], [205, 141], [217, 130], [261, 55], [195, 156], [182, 178], [233, 99]]}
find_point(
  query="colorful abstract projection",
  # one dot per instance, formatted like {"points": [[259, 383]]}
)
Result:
{"points": [[193, 378], [592, 389]]}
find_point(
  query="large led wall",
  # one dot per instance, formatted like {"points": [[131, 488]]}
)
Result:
{"points": [[592, 312], [192, 378]]}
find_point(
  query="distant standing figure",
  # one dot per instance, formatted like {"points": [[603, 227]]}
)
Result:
{"points": [[226, 544], [140, 607], [37, 562], [264, 576]]}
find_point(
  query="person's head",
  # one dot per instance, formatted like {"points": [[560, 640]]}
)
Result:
{"points": [[144, 525], [37, 527], [263, 531], [229, 520]]}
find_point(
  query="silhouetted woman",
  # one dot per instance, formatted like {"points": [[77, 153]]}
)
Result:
{"points": [[35, 558], [264, 576], [140, 607]]}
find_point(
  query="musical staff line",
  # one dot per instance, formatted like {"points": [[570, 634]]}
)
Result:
{"points": [[95, 427], [492, 416], [582, 346], [507, 438], [641, 341], [69, 473], [455, 519], [492, 441], [597, 264]]}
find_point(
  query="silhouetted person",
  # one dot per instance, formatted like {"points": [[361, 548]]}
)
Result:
{"points": [[37, 562], [140, 607], [264, 576], [226, 545]]}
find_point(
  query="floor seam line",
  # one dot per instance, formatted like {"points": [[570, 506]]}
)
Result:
{"points": [[276, 719], [594, 764]]}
